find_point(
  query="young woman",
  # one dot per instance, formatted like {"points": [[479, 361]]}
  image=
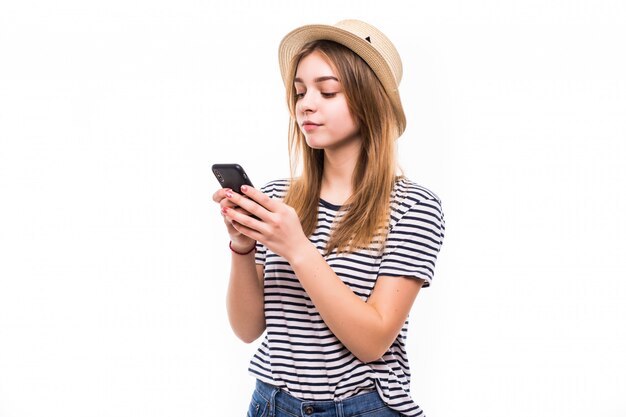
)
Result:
{"points": [[331, 267]]}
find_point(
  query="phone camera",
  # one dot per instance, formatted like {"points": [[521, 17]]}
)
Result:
{"points": [[219, 176]]}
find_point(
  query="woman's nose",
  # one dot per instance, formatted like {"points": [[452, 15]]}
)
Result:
{"points": [[307, 103]]}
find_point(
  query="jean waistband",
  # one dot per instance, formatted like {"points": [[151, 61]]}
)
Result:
{"points": [[357, 405]]}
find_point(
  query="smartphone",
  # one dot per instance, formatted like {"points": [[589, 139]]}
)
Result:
{"points": [[231, 176]]}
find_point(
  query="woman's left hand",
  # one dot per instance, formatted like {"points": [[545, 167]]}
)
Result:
{"points": [[278, 227]]}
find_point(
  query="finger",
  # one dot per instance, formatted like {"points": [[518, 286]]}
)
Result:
{"points": [[246, 231], [220, 194], [242, 219], [261, 198], [227, 203], [242, 211], [247, 204]]}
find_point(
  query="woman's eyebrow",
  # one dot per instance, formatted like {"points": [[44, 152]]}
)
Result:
{"points": [[317, 80]]}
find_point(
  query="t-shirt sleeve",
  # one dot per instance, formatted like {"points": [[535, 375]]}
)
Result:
{"points": [[414, 241]]}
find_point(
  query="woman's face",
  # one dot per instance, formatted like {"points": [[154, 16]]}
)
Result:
{"points": [[321, 106]]}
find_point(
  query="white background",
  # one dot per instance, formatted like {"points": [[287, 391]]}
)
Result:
{"points": [[114, 260]]}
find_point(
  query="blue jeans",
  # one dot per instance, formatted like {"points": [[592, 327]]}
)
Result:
{"points": [[270, 401]]}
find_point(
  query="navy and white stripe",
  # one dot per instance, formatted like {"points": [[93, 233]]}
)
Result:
{"points": [[299, 353]]}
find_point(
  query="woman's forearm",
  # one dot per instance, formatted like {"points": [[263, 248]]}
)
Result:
{"points": [[357, 324], [244, 300]]}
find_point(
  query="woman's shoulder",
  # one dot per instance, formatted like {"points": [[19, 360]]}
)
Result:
{"points": [[413, 200], [409, 191]]}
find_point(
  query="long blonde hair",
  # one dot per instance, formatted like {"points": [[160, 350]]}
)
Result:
{"points": [[367, 210]]}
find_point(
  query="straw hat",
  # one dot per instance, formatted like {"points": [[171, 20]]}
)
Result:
{"points": [[363, 39]]}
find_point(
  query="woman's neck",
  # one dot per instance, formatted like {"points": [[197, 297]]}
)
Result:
{"points": [[339, 168]]}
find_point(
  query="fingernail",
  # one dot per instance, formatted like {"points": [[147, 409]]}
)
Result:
{"points": [[229, 194], [224, 210], [244, 188]]}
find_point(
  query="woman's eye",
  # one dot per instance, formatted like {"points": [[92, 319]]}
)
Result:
{"points": [[299, 95], [329, 95]]}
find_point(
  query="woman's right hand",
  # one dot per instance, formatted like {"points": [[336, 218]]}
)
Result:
{"points": [[240, 242]]}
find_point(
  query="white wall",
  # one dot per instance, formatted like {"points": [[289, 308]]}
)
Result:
{"points": [[113, 259]]}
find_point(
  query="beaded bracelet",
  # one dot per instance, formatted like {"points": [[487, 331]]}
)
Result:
{"points": [[230, 245]]}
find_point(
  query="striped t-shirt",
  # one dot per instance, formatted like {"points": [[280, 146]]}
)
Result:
{"points": [[299, 353]]}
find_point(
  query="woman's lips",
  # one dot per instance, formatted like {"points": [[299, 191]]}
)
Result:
{"points": [[309, 126]]}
